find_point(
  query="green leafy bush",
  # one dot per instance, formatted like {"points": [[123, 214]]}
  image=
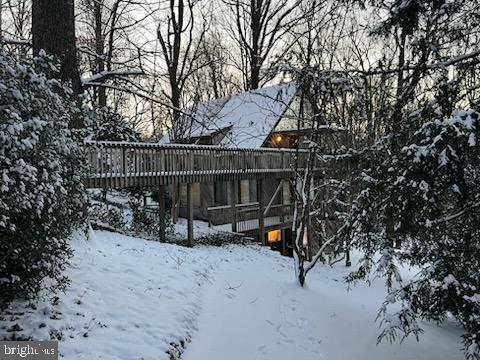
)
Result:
{"points": [[41, 189]]}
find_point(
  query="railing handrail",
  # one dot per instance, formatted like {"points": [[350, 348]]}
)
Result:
{"points": [[116, 163], [243, 216], [184, 146], [239, 206]]}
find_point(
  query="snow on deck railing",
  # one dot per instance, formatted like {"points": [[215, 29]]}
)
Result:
{"points": [[182, 146], [122, 164]]}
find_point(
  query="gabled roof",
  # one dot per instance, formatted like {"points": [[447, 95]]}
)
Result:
{"points": [[252, 115]]}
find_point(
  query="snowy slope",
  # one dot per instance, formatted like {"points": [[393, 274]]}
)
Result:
{"points": [[131, 298], [254, 310]]}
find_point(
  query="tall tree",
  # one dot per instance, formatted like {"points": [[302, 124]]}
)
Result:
{"points": [[417, 202], [216, 79], [180, 40], [19, 14], [100, 47], [53, 30], [1, 22], [106, 44], [258, 27]]}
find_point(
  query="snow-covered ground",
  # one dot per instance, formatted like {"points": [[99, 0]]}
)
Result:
{"points": [[129, 299], [136, 299], [200, 229], [254, 310]]}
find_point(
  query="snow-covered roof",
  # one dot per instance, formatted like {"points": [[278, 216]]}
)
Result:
{"points": [[251, 115]]}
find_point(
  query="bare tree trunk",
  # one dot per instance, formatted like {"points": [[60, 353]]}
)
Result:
{"points": [[255, 75], [1, 24], [255, 56], [99, 49], [206, 48], [53, 30], [176, 102], [259, 26], [111, 38], [395, 126], [181, 52]]}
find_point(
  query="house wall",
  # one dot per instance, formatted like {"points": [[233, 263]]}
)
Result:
{"points": [[329, 141], [204, 196]]}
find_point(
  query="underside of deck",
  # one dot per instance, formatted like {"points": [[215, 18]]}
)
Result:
{"points": [[116, 165]]}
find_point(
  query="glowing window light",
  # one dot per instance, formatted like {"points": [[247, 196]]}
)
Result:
{"points": [[274, 236]]}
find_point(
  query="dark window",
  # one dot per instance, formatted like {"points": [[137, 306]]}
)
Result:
{"points": [[220, 189]]}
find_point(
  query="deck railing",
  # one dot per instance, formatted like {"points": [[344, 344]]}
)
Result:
{"points": [[247, 216], [124, 164]]}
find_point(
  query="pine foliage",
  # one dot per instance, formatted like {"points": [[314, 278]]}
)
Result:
{"points": [[107, 125], [420, 207]]}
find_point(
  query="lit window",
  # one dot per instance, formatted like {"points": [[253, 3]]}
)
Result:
{"points": [[274, 236]]}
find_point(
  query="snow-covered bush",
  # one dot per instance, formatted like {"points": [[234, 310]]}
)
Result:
{"points": [[420, 207], [222, 239], [144, 221], [107, 125], [128, 215], [41, 190], [110, 215]]}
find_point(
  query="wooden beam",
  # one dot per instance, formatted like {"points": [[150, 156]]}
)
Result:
{"points": [[261, 220], [279, 187], [190, 214], [233, 203], [175, 202], [283, 244], [161, 211], [348, 262], [282, 219]]}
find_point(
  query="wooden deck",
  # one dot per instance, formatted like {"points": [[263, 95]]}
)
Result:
{"points": [[115, 165], [121, 164]]}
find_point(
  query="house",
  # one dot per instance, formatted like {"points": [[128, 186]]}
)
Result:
{"points": [[262, 118]]}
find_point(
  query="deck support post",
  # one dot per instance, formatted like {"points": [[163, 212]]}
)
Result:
{"points": [[190, 214], [161, 211], [175, 202], [233, 203], [261, 219], [283, 243]]}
